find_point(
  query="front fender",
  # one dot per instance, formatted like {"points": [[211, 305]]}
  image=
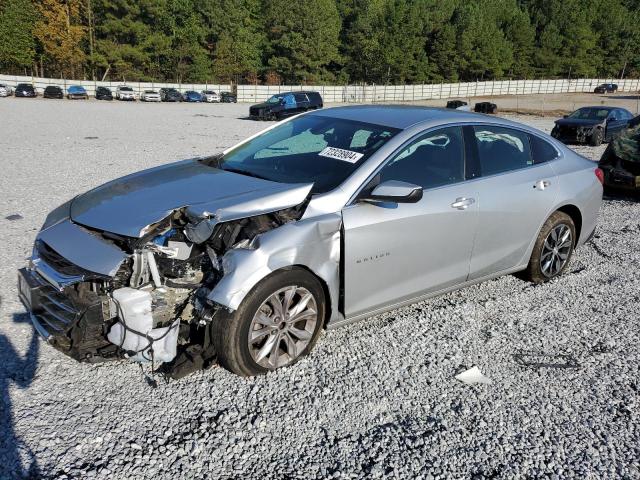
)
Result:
{"points": [[313, 243]]}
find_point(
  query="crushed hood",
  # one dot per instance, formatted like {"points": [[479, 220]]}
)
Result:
{"points": [[127, 205]]}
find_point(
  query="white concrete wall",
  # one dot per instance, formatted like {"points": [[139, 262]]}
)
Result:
{"points": [[408, 93], [90, 86]]}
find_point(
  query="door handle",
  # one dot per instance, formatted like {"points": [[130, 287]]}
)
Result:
{"points": [[542, 184], [463, 203]]}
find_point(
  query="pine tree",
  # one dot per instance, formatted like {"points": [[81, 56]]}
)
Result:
{"points": [[17, 44]]}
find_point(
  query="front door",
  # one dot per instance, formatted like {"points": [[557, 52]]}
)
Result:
{"points": [[395, 252]]}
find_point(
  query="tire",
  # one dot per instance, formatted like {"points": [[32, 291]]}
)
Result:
{"points": [[597, 138], [538, 270], [230, 331]]}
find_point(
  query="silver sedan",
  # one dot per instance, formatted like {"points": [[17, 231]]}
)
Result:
{"points": [[332, 216]]}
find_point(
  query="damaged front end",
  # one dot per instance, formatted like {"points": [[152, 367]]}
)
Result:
{"points": [[97, 295]]}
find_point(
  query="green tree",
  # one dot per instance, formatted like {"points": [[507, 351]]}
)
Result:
{"points": [[17, 43], [303, 39]]}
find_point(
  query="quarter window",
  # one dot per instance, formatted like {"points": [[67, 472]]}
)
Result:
{"points": [[433, 160], [502, 149], [541, 151]]}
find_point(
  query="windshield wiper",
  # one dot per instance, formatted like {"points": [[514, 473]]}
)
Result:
{"points": [[243, 172]]}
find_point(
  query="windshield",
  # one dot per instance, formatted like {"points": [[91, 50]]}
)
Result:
{"points": [[126, 89], [308, 149], [590, 113]]}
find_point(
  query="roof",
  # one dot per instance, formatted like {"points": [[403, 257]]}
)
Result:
{"points": [[401, 116]]}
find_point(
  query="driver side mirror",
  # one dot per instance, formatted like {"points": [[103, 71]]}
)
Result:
{"points": [[395, 191]]}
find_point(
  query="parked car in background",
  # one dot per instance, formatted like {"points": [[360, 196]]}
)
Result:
{"points": [[285, 104], [25, 90], [75, 92], [620, 162], [5, 90], [592, 125], [53, 91], [210, 96], [245, 256], [170, 95], [485, 107], [228, 97], [192, 96], [125, 93], [150, 96], [103, 93], [606, 88], [458, 105]]}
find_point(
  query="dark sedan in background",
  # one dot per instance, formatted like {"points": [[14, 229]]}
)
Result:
{"points": [[606, 88], [103, 93], [228, 97], [170, 95], [53, 91], [592, 125], [25, 90]]}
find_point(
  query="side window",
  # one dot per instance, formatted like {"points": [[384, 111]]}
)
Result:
{"points": [[541, 151], [501, 149], [301, 97], [433, 160]]}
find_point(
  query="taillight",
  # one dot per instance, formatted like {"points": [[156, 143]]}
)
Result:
{"points": [[600, 174]]}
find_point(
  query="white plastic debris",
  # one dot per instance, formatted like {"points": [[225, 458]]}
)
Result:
{"points": [[473, 375], [139, 336]]}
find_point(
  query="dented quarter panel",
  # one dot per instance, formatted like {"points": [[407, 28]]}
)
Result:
{"points": [[83, 248], [313, 243]]}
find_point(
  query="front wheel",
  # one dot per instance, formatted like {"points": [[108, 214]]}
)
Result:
{"points": [[276, 325], [553, 248], [596, 138]]}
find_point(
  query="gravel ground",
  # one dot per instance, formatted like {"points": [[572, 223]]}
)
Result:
{"points": [[375, 399]]}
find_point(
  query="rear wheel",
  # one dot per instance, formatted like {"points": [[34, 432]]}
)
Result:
{"points": [[553, 248], [278, 323]]}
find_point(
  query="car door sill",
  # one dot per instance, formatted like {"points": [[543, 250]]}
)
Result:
{"points": [[361, 316]]}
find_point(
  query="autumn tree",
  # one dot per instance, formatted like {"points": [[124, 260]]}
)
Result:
{"points": [[60, 31]]}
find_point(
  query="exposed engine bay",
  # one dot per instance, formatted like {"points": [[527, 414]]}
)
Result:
{"points": [[155, 307]]}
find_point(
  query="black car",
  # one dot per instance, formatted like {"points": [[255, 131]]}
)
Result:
{"points": [[285, 104], [25, 90], [592, 125], [103, 93], [170, 95], [606, 88], [53, 91], [485, 107], [620, 162], [228, 97]]}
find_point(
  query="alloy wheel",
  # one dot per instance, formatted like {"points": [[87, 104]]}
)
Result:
{"points": [[556, 250], [283, 327]]}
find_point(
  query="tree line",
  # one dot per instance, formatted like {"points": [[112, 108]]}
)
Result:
{"points": [[320, 41]]}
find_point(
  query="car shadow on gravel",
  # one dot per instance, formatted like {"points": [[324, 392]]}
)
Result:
{"points": [[16, 458]]}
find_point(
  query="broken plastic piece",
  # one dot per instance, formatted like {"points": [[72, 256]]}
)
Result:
{"points": [[473, 375], [135, 334]]}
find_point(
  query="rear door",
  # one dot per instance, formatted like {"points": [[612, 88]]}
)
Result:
{"points": [[302, 102], [517, 188], [395, 252]]}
